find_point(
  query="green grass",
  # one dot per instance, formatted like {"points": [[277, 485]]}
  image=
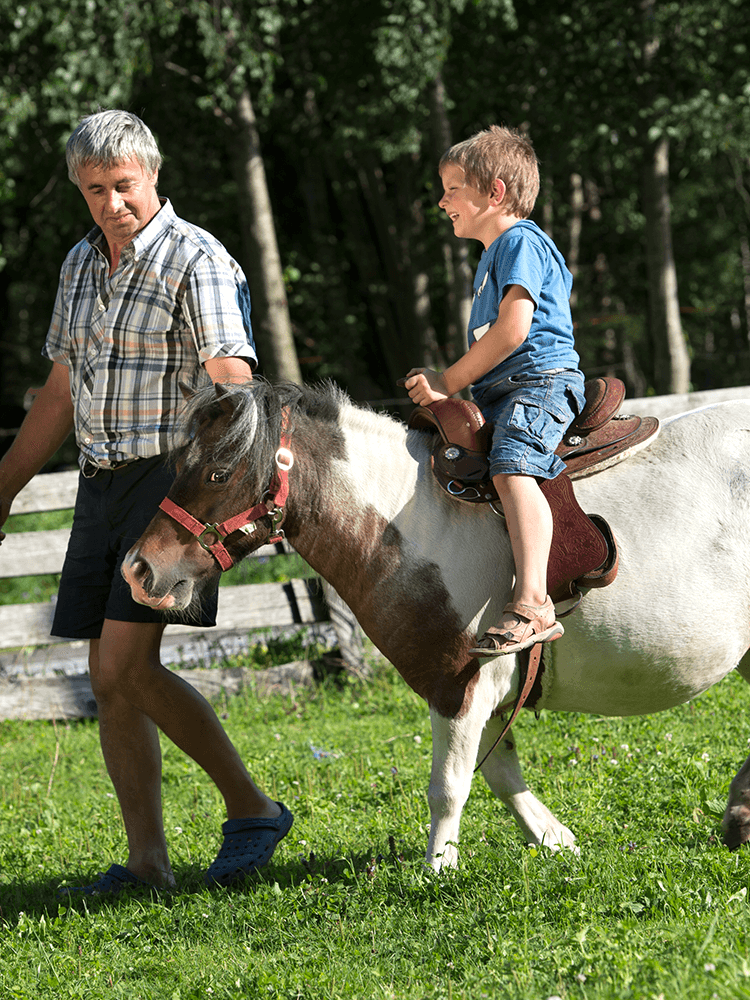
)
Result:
{"points": [[654, 906]]}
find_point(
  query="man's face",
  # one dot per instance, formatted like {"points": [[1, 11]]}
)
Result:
{"points": [[122, 198]]}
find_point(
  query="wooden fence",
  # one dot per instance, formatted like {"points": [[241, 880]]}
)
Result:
{"points": [[241, 607]]}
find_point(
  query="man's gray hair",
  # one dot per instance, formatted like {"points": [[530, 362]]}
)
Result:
{"points": [[110, 137]]}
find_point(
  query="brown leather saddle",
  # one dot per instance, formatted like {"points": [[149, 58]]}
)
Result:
{"points": [[584, 550]]}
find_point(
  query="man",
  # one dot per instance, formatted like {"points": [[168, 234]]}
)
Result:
{"points": [[145, 301]]}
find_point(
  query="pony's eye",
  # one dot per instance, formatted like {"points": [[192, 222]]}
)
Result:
{"points": [[220, 476]]}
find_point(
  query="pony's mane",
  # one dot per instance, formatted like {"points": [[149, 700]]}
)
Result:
{"points": [[262, 410]]}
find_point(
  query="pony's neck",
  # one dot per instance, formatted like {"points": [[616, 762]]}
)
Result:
{"points": [[349, 502]]}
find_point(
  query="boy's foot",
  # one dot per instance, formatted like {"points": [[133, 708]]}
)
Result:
{"points": [[533, 623]]}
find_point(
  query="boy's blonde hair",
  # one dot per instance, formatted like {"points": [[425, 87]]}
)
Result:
{"points": [[499, 152]]}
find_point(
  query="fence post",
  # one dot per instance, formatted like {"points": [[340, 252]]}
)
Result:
{"points": [[348, 632]]}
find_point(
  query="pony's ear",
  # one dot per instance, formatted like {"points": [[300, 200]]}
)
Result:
{"points": [[186, 391], [226, 400]]}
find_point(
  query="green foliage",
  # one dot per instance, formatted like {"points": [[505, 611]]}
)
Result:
{"points": [[653, 906], [349, 113]]}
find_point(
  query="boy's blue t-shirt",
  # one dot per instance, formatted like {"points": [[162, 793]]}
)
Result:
{"points": [[524, 255]]}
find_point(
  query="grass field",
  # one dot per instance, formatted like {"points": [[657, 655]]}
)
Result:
{"points": [[654, 907]]}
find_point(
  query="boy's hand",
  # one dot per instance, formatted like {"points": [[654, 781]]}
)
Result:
{"points": [[425, 386]]}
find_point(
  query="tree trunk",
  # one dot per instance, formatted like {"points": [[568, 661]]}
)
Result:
{"points": [[671, 352], [401, 339], [671, 357], [272, 326], [742, 191], [574, 234], [455, 252]]}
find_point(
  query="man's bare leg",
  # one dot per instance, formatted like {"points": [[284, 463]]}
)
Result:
{"points": [[136, 694]]}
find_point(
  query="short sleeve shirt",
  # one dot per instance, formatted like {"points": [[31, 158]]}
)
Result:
{"points": [[524, 255], [176, 300]]}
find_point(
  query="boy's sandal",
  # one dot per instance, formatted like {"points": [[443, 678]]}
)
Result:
{"points": [[536, 623]]}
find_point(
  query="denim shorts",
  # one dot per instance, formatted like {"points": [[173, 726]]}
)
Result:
{"points": [[530, 414], [113, 508]]}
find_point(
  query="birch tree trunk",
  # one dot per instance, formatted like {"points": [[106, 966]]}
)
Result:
{"points": [[672, 368], [672, 361], [272, 325], [574, 232]]}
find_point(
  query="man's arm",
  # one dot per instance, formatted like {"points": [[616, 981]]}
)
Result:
{"points": [[508, 332], [45, 427], [229, 370]]}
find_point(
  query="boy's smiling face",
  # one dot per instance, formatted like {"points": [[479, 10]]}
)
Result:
{"points": [[463, 204], [474, 215]]}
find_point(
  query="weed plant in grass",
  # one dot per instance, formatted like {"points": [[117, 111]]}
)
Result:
{"points": [[654, 906]]}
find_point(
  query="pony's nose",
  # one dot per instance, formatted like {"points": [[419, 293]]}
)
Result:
{"points": [[136, 570]]}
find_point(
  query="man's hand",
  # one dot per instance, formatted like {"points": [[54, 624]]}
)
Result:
{"points": [[425, 386]]}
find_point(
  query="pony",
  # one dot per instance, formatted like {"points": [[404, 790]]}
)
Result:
{"points": [[425, 573]]}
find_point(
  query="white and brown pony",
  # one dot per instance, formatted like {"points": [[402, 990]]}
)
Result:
{"points": [[425, 573]]}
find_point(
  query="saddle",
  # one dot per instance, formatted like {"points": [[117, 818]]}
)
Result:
{"points": [[584, 550]]}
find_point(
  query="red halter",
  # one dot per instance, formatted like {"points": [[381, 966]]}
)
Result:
{"points": [[272, 505]]}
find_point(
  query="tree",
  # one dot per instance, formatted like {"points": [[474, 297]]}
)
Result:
{"points": [[670, 348], [236, 46], [354, 104], [58, 62]]}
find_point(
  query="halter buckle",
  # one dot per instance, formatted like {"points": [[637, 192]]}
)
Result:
{"points": [[220, 536], [277, 516]]}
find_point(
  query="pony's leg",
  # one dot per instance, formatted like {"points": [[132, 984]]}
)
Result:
{"points": [[502, 773], [454, 754], [736, 821]]}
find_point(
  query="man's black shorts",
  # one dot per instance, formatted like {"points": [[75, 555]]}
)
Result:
{"points": [[111, 513]]}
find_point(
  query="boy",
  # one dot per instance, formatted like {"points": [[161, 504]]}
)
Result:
{"points": [[522, 365]]}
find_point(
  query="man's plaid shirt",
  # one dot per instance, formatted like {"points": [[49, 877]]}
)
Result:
{"points": [[176, 300]]}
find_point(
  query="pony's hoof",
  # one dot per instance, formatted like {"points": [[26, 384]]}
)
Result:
{"points": [[448, 859]]}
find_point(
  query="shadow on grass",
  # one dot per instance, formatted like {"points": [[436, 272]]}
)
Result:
{"points": [[39, 898]]}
